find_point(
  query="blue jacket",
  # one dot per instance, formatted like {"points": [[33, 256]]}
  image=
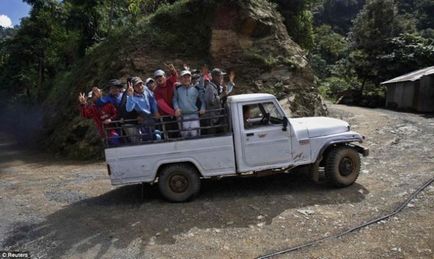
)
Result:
{"points": [[115, 100], [142, 103], [186, 99]]}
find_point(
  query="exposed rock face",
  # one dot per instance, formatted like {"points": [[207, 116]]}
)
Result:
{"points": [[250, 37]]}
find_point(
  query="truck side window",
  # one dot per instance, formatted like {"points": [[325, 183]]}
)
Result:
{"points": [[275, 117], [261, 114]]}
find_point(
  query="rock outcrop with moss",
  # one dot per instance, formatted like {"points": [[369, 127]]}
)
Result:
{"points": [[246, 36]]}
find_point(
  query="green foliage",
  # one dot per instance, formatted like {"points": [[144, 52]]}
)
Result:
{"points": [[298, 20], [375, 24], [373, 28], [167, 27], [406, 53], [338, 14], [329, 48], [332, 87]]}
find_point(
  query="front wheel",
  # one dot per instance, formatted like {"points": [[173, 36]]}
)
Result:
{"points": [[179, 182], [342, 166]]}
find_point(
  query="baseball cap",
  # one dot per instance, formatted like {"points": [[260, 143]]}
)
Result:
{"points": [[217, 71], [185, 72], [136, 80], [159, 72], [148, 80], [115, 82]]}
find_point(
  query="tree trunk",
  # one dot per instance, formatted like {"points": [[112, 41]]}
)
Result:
{"points": [[362, 87]]}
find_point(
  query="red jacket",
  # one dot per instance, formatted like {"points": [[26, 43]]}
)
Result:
{"points": [[99, 114], [164, 95]]}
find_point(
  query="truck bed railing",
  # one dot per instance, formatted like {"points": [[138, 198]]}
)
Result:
{"points": [[165, 129]]}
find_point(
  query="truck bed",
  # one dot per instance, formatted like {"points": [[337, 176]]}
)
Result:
{"points": [[137, 164]]}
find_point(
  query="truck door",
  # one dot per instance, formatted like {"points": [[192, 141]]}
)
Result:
{"points": [[264, 143]]}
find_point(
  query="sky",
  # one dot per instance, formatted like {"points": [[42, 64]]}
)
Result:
{"points": [[11, 11]]}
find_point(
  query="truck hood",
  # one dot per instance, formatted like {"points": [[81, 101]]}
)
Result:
{"points": [[320, 126]]}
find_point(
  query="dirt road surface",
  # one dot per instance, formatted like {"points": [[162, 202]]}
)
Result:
{"points": [[66, 209]]}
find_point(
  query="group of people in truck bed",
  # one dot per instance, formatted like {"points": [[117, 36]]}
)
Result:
{"points": [[162, 106]]}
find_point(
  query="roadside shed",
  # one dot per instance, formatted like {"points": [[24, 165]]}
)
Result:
{"points": [[413, 91]]}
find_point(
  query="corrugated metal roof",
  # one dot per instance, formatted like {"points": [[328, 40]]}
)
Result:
{"points": [[413, 76]]}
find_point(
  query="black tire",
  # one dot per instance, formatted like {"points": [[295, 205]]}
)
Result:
{"points": [[342, 166], [179, 182]]}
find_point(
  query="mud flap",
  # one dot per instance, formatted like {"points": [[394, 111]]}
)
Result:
{"points": [[362, 150], [314, 171]]}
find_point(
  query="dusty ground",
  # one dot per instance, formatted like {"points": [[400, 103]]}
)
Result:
{"points": [[55, 209]]}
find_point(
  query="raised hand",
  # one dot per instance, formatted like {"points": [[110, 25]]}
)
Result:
{"points": [[186, 67], [205, 70], [178, 112], [231, 76], [130, 90], [82, 98], [170, 67]]}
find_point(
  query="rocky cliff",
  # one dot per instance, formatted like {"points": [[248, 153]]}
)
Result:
{"points": [[246, 36]]}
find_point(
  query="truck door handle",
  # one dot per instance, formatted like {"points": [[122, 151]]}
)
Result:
{"points": [[250, 134]]}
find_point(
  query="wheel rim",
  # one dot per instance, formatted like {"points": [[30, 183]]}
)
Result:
{"points": [[346, 166], [178, 183]]}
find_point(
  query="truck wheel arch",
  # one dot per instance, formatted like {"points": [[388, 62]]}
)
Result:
{"points": [[162, 165], [322, 154]]}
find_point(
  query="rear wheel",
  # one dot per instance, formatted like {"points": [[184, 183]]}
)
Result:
{"points": [[179, 182], [342, 166]]}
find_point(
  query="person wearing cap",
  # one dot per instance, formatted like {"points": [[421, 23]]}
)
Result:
{"points": [[185, 104], [150, 84], [164, 95], [100, 114], [217, 86], [141, 100], [216, 92], [114, 97], [165, 89]]}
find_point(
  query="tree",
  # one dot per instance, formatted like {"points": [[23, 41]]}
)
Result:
{"points": [[33, 53], [338, 14], [374, 27], [406, 53], [329, 47]]}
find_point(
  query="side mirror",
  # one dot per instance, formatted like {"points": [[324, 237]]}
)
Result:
{"points": [[285, 124]]}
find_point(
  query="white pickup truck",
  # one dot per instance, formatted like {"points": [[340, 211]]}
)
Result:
{"points": [[259, 138]]}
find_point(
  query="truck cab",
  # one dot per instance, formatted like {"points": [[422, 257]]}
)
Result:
{"points": [[258, 137]]}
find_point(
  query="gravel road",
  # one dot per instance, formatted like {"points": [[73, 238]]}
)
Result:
{"points": [[56, 208]]}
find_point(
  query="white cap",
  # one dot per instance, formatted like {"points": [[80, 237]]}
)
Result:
{"points": [[185, 72], [159, 72], [148, 80]]}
